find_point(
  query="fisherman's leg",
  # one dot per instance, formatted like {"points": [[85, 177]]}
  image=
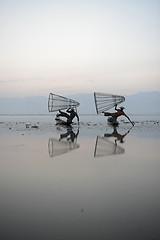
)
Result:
{"points": [[114, 119], [63, 114], [107, 114], [64, 135]]}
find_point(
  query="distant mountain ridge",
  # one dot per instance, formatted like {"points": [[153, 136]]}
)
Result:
{"points": [[143, 103], [140, 103]]}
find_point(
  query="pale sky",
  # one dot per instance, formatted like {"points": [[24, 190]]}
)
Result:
{"points": [[79, 46]]}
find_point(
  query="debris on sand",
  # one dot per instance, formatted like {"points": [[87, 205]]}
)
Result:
{"points": [[28, 125], [34, 126]]}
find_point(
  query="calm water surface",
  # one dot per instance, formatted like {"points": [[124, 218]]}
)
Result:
{"points": [[86, 182]]}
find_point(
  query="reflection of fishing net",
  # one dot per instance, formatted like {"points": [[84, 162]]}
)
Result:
{"points": [[104, 147], [106, 101], [56, 147], [56, 102]]}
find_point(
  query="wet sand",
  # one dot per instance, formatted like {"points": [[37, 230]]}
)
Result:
{"points": [[86, 182]]}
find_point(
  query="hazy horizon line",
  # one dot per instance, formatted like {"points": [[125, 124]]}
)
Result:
{"points": [[89, 93]]}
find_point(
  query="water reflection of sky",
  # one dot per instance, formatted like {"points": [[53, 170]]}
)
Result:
{"points": [[76, 195]]}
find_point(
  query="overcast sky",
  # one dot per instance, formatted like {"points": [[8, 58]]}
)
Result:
{"points": [[68, 47]]}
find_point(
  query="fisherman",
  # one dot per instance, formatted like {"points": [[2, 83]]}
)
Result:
{"points": [[72, 114], [117, 114]]}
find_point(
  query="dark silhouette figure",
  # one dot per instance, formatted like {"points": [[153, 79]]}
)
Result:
{"points": [[70, 114], [113, 116]]}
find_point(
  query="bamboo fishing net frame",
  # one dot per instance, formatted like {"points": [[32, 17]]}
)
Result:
{"points": [[57, 102], [106, 101]]}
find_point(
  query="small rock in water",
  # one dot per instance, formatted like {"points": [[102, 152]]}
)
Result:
{"points": [[34, 126]]}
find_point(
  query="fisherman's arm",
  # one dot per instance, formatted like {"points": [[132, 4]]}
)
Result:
{"points": [[68, 110], [116, 107]]}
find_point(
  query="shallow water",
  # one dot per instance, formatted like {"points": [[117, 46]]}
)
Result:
{"points": [[86, 182]]}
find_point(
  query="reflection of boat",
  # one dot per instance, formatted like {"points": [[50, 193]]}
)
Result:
{"points": [[104, 147], [56, 147], [57, 102], [106, 101]]}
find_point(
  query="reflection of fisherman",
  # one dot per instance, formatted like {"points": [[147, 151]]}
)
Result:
{"points": [[71, 134], [117, 114], [115, 134], [69, 116], [69, 142]]}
